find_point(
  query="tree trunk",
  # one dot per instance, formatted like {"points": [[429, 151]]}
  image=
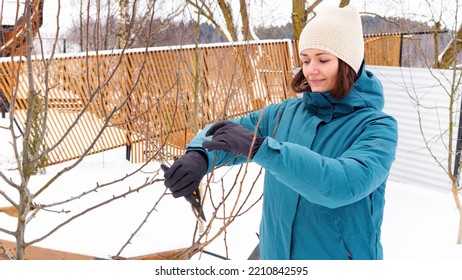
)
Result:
{"points": [[81, 29], [300, 14], [344, 3], [26, 163], [450, 53], [245, 21], [124, 19], [298, 17], [107, 26], [24, 201], [436, 32], [228, 16], [455, 194]]}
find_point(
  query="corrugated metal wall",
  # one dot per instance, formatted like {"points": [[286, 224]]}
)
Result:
{"points": [[417, 96]]}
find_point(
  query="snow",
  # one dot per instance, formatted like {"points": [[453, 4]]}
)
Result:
{"points": [[420, 222]]}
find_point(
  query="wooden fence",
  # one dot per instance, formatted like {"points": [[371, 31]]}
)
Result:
{"points": [[153, 101], [384, 50]]}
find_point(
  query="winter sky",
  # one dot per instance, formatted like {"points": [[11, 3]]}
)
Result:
{"points": [[276, 12]]}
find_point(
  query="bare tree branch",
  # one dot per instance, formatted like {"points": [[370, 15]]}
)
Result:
{"points": [[114, 198]]}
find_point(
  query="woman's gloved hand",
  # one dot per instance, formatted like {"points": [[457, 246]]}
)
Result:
{"points": [[185, 174], [233, 138]]}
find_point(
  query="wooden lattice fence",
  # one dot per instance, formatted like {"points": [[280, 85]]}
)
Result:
{"points": [[160, 103], [155, 99]]}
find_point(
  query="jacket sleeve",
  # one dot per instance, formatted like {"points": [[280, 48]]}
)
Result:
{"points": [[215, 158], [220, 158], [334, 182]]}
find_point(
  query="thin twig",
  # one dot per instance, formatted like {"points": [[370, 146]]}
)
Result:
{"points": [[154, 208]]}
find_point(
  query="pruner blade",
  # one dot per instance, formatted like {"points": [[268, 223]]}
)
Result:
{"points": [[194, 199]]}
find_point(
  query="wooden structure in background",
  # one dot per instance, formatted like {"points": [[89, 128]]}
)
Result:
{"points": [[383, 49], [162, 113], [13, 37], [40, 253], [13, 40]]}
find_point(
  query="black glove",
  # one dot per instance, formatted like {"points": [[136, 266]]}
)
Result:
{"points": [[233, 138], [185, 174]]}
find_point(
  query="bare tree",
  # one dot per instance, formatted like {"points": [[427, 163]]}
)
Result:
{"points": [[449, 57], [449, 60], [32, 147], [100, 86], [228, 28], [122, 24], [451, 128]]}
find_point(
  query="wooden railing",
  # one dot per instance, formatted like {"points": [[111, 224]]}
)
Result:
{"points": [[162, 95]]}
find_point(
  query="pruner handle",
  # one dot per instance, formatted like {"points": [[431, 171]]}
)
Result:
{"points": [[193, 198]]}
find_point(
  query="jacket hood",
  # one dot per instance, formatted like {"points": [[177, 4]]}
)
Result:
{"points": [[367, 92]]}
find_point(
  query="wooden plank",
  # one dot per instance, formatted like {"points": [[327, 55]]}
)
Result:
{"points": [[41, 253]]}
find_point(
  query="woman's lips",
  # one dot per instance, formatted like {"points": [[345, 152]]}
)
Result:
{"points": [[316, 82]]}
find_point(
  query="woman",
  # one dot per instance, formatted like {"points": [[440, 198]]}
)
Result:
{"points": [[327, 155]]}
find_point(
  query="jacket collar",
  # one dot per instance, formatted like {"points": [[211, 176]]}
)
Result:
{"points": [[367, 92]]}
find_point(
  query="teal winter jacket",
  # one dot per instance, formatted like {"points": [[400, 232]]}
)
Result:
{"points": [[326, 163]]}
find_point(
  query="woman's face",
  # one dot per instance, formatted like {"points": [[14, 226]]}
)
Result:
{"points": [[320, 69]]}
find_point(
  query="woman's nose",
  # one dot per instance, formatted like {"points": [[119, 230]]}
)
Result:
{"points": [[312, 68]]}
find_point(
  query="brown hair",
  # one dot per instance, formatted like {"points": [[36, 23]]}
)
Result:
{"points": [[345, 80]]}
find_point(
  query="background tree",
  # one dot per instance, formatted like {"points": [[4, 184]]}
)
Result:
{"points": [[229, 28], [450, 59], [123, 24], [443, 66]]}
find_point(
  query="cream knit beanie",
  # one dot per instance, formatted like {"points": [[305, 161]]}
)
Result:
{"points": [[338, 31]]}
